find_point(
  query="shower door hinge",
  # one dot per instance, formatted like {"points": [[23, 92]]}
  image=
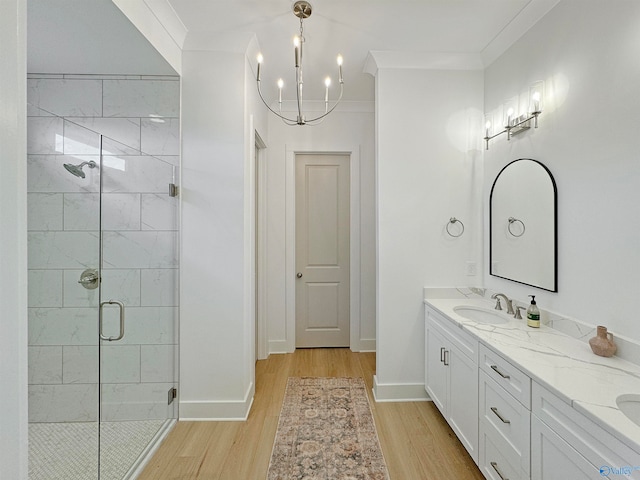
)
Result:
{"points": [[173, 190], [173, 393]]}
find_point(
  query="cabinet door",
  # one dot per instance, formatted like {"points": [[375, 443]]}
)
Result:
{"points": [[554, 459], [463, 400], [435, 370]]}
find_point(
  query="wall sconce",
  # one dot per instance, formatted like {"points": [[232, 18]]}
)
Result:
{"points": [[518, 124]]}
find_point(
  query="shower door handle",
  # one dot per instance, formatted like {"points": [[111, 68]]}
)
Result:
{"points": [[121, 332]]}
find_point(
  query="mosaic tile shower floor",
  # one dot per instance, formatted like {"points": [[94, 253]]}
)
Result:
{"points": [[67, 451]]}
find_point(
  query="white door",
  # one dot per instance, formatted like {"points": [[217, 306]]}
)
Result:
{"points": [[322, 250]]}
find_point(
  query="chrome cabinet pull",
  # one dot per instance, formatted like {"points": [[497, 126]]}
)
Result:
{"points": [[446, 357], [495, 467], [495, 369], [442, 354], [495, 410], [121, 332]]}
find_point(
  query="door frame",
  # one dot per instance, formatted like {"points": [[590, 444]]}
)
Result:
{"points": [[353, 150], [260, 237]]}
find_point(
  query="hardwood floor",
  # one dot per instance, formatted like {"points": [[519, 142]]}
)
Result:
{"points": [[416, 441]]}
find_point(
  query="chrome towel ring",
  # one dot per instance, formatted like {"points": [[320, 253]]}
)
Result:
{"points": [[454, 220], [513, 220]]}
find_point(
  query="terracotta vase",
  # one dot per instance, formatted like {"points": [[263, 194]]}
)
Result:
{"points": [[602, 344]]}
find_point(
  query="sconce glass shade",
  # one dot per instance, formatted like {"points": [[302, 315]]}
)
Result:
{"points": [[536, 96]]}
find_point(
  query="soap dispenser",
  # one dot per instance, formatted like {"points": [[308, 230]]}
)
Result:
{"points": [[533, 314]]}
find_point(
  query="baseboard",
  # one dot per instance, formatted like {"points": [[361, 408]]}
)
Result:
{"points": [[280, 346], [399, 392], [212, 411], [366, 345]]}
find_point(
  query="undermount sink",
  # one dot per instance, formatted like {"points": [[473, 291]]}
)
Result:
{"points": [[629, 404], [480, 315]]}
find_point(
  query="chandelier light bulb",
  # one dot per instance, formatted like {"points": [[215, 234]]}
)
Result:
{"points": [[339, 60], [260, 58], [296, 41], [280, 85], [327, 83]]}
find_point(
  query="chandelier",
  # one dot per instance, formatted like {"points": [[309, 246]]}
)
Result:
{"points": [[301, 9]]}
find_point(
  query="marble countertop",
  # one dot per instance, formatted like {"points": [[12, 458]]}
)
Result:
{"points": [[562, 364]]}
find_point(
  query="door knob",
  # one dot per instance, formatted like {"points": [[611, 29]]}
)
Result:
{"points": [[298, 275]]}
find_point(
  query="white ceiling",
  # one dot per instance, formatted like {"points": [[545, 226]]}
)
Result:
{"points": [[87, 37], [93, 36]]}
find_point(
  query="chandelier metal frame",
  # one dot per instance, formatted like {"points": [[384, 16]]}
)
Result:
{"points": [[301, 9]]}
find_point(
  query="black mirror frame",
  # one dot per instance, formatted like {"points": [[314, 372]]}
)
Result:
{"points": [[555, 228]]}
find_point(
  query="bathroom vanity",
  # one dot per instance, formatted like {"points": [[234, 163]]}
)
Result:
{"points": [[529, 403]]}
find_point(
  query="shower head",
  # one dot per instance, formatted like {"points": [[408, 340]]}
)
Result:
{"points": [[77, 169]]}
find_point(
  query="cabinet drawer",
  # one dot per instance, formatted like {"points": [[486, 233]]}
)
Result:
{"points": [[506, 420], [464, 341], [497, 463], [506, 375]]}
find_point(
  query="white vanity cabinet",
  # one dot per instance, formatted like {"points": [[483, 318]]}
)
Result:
{"points": [[554, 422], [504, 416], [565, 444], [451, 376]]}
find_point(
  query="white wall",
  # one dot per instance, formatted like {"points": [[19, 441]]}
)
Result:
{"points": [[351, 126], [13, 241], [212, 257], [587, 52], [217, 273], [428, 168]]}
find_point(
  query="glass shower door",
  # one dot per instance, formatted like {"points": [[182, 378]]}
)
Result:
{"points": [[139, 301]]}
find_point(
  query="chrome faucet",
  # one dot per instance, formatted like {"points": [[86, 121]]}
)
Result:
{"points": [[496, 297]]}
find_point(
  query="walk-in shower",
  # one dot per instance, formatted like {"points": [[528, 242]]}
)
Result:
{"points": [[77, 169], [103, 273]]}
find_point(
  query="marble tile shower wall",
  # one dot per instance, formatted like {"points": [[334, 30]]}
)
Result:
{"points": [[140, 117]]}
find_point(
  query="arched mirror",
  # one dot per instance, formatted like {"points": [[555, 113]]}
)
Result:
{"points": [[523, 223]]}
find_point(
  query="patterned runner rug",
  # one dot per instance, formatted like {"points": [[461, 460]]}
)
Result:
{"points": [[326, 432]]}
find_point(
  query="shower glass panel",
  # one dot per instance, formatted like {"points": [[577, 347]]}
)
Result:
{"points": [[103, 278], [63, 242]]}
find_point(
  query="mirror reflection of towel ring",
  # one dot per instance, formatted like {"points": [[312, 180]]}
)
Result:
{"points": [[453, 220], [513, 220]]}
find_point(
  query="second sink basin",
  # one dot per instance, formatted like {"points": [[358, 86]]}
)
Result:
{"points": [[480, 315], [629, 404]]}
